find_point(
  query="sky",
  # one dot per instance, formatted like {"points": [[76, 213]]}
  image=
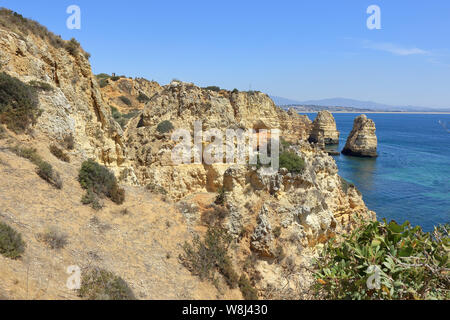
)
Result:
{"points": [[301, 50]]}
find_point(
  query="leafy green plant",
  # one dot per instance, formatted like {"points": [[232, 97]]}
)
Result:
{"points": [[98, 179], [18, 103], [99, 284], [412, 264], [292, 162], [205, 257], [165, 127], [11, 244]]}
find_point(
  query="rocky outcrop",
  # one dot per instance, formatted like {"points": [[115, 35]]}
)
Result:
{"points": [[73, 105], [184, 103], [324, 129], [362, 141], [138, 91]]}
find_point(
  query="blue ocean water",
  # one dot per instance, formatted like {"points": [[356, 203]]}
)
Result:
{"points": [[410, 180]]}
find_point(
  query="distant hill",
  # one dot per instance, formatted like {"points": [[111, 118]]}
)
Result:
{"points": [[352, 103]]}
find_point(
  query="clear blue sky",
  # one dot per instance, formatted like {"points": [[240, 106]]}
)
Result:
{"points": [[295, 49]]}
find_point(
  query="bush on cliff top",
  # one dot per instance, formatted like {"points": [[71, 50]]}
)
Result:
{"points": [[11, 244], [411, 264], [101, 181], [18, 103]]}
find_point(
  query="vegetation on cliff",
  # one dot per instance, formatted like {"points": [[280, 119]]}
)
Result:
{"points": [[409, 263], [99, 284], [18, 103], [11, 243], [98, 180]]}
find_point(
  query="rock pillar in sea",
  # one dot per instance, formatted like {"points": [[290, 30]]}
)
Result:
{"points": [[324, 126], [362, 141]]}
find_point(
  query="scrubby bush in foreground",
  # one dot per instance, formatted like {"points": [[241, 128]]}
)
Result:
{"points": [[99, 284], [98, 179], [411, 264], [18, 103], [11, 243]]}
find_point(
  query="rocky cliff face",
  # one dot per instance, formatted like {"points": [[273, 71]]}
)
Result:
{"points": [[74, 105], [362, 141], [182, 104], [138, 91], [324, 129]]}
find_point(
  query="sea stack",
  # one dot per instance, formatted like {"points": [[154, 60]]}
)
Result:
{"points": [[324, 129], [362, 141]]}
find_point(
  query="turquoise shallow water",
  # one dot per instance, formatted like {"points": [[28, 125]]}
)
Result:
{"points": [[410, 180]]}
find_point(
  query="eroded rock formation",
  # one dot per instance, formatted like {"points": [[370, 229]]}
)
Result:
{"points": [[182, 104], [324, 129], [73, 105], [362, 141]]}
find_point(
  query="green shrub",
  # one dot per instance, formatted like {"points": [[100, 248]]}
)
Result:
{"points": [[412, 264], [46, 172], [292, 162], [43, 168], [53, 238], [125, 100], [18, 104], [142, 98], [91, 198], [11, 244], [248, 291], [73, 47], [202, 258], [41, 85], [213, 88], [103, 76], [59, 153], [115, 78], [165, 127], [99, 180], [99, 284], [103, 83]]}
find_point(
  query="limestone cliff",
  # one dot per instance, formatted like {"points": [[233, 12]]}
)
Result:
{"points": [[182, 104], [324, 129], [125, 94], [362, 141], [73, 105]]}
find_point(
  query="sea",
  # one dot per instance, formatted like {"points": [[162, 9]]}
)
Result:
{"points": [[410, 180]]}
